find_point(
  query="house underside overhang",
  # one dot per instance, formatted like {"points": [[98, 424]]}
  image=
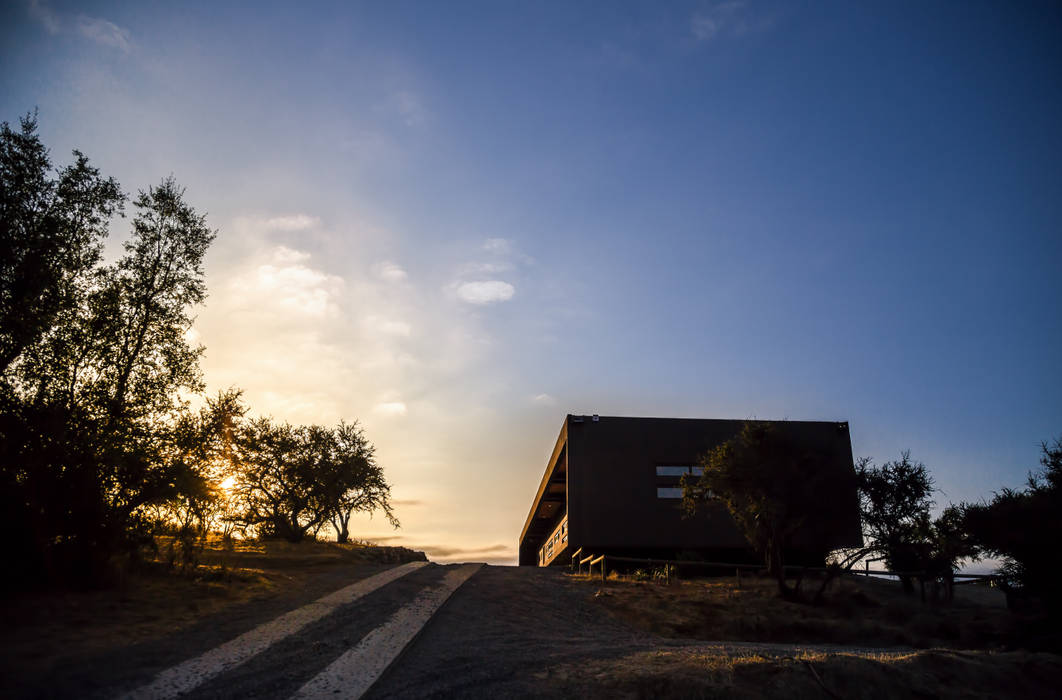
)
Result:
{"points": [[550, 504]]}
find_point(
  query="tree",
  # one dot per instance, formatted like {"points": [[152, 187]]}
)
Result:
{"points": [[292, 480], [200, 455], [894, 504], [353, 482], [94, 359], [771, 486], [51, 232], [1023, 528], [949, 543], [276, 488]]}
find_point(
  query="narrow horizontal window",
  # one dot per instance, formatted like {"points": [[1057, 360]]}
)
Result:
{"points": [[697, 471], [668, 492], [672, 471]]}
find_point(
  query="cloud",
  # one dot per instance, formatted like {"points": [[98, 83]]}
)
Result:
{"points": [[294, 222], [390, 408], [287, 284], [96, 29], [44, 14], [406, 502], [449, 551], [544, 400], [481, 268], [500, 246], [386, 326], [389, 272], [487, 292], [724, 17], [505, 250], [103, 32], [405, 105]]}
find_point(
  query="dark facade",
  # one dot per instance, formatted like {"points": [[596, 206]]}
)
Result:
{"points": [[612, 486]]}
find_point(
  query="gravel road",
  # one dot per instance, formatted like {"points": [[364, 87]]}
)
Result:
{"points": [[107, 675], [508, 626], [499, 635]]}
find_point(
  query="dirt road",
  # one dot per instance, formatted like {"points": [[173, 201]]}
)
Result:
{"points": [[490, 632]]}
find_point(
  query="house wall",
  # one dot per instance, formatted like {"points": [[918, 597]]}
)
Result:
{"points": [[612, 485]]}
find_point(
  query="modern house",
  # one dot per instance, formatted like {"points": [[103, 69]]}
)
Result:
{"points": [[612, 485]]}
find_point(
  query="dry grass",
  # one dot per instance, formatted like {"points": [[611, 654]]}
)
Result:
{"points": [[867, 613], [693, 673]]}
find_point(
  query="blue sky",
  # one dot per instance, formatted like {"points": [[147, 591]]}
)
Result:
{"points": [[457, 222]]}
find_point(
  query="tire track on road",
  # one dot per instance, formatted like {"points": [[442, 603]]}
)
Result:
{"points": [[185, 677], [279, 672], [353, 673]]}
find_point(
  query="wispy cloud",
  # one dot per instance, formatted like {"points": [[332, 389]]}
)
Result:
{"points": [[293, 222], [502, 257], [388, 326], [730, 18], [104, 32], [390, 408], [487, 292], [500, 246], [96, 29], [406, 106], [287, 283], [447, 551], [389, 272], [46, 16], [544, 400]]}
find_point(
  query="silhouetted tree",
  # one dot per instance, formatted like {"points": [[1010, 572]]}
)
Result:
{"points": [[93, 374], [771, 486], [1023, 527], [277, 489], [949, 544], [292, 480], [200, 456], [352, 480], [894, 505], [51, 232]]}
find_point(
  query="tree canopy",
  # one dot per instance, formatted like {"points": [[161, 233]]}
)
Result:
{"points": [[1022, 526], [99, 444], [771, 487]]}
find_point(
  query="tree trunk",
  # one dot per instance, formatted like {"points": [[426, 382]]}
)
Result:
{"points": [[775, 568]]}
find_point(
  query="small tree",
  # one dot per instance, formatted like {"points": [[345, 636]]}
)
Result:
{"points": [[1023, 528], [294, 480], [771, 487], [949, 544], [200, 454], [353, 481], [894, 504], [277, 490]]}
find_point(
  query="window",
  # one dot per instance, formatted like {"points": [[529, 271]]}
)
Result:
{"points": [[668, 492], [679, 470]]}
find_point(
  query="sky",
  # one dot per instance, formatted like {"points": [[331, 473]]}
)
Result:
{"points": [[457, 222]]}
